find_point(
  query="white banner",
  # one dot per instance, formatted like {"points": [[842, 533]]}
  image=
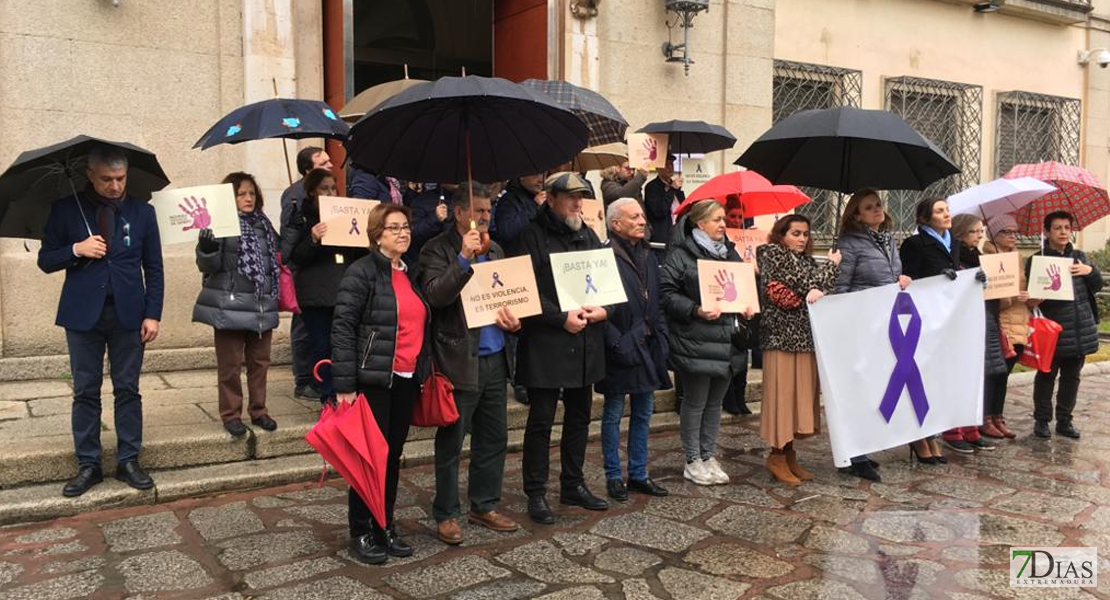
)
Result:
{"points": [[917, 356]]}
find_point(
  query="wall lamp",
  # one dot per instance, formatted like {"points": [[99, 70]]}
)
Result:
{"points": [[684, 11]]}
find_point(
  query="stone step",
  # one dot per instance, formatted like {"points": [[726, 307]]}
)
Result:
{"points": [[42, 501]]}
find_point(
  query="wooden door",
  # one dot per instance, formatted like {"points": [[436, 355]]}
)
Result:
{"points": [[520, 39]]}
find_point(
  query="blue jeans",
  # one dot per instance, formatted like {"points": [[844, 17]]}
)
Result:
{"points": [[643, 405]]}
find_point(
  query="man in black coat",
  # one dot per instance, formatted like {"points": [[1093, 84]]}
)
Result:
{"points": [[430, 217], [475, 362], [559, 350], [661, 197]]}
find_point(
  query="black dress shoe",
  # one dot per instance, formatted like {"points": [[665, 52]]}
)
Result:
{"points": [[616, 490], [134, 475], [647, 486], [865, 470], [1066, 429], [540, 511], [581, 496], [265, 422], [365, 550], [1041, 430], [744, 410], [84, 480], [521, 394], [306, 392], [235, 427], [731, 406], [393, 544]]}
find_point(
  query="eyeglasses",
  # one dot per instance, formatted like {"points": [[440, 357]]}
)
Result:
{"points": [[1009, 232], [396, 229]]}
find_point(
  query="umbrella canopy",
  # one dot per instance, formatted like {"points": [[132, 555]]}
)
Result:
{"points": [[324, 437], [692, 137], [998, 197], [367, 99], [430, 132], [1077, 191], [605, 122], [277, 118], [847, 149], [757, 196], [600, 157], [361, 431], [38, 177]]}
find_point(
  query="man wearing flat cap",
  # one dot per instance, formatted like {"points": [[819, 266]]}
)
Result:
{"points": [[559, 350]]}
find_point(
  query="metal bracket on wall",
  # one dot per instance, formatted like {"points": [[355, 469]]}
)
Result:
{"points": [[584, 9]]}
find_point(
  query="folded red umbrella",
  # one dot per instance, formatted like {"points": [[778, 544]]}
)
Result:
{"points": [[359, 427], [1077, 191], [325, 438], [756, 195]]}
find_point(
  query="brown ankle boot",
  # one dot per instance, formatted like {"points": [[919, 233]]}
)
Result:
{"points": [[1000, 424], [776, 464], [795, 468], [989, 428]]}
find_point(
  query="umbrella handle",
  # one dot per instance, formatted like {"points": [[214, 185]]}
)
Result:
{"points": [[316, 369]]}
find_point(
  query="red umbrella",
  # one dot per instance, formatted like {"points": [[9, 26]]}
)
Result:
{"points": [[330, 444], [757, 196], [1077, 191], [361, 431]]}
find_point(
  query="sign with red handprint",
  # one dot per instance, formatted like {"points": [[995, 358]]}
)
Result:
{"points": [[727, 286], [1050, 278], [593, 215], [647, 151], [182, 213]]}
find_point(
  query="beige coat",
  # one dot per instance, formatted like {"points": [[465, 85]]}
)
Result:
{"points": [[1013, 315]]}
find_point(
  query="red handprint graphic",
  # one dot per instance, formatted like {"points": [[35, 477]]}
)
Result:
{"points": [[651, 148], [727, 281], [1054, 282], [198, 210]]}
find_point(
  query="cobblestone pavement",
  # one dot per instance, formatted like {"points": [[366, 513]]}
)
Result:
{"points": [[925, 532]]}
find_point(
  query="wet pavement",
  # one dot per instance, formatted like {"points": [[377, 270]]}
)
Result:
{"points": [[924, 532]]}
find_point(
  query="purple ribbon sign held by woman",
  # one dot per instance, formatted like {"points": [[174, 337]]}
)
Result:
{"points": [[906, 373]]}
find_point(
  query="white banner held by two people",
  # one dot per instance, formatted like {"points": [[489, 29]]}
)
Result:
{"points": [[900, 366]]}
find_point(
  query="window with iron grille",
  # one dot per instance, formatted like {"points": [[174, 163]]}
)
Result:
{"points": [[951, 116], [1035, 127], [803, 86]]}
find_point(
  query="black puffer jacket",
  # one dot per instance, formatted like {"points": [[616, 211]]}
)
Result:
{"points": [[996, 362], [227, 300], [924, 256], [364, 328], [316, 268], [697, 346], [1080, 334], [549, 356]]}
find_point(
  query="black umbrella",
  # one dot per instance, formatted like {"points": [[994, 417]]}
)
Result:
{"points": [[38, 177], [277, 118], [460, 128], [606, 124], [847, 149], [692, 137]]}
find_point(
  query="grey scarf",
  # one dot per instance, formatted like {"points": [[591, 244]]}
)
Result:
{"points": [[714, 248]]}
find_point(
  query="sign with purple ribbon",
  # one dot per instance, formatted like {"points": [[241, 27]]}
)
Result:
{"points": [[587, 278], [346, 219], [507, 283], [906, 374]]}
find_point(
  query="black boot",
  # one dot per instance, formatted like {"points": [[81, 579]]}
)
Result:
{"points": [[1066, 429], [366, 550], [388, 539], [1041, 430]]}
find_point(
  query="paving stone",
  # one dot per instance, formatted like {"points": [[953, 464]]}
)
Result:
{"points": [[327, 589], [70, 547], [28, 390], [162, 572], [816, 589], [314, 494], [830, 509], [142, 532], [629, 561], [909, 573], [681, 583], [413, 513], [77, 585], [423, 547], [678, 507], [243, 553], [330, 514], [744, 493], [637, 589], [650, 531], [1052, 508], [513, 589], [734, 559], [978, 555], [847, 567], [575, 593], [9, 571], [52, 534], [290, 524], [13, 410], [579, 544], [297, 571], [230, 520], [975, 490], [446, 577], [892, 549], [827, 539], [272, 502], [906, 528], [543, 561], [88, 563], [899, 493], [477, 535], [759, 526], [837, 489], [997, 529]]}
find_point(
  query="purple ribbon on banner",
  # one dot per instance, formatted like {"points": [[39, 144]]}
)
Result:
{"points": [[906, 373]]}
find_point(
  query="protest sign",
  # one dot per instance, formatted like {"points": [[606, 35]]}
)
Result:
{"points": [[1002, 275], [1050, 278], [747, 240], [593, 215], [183, 212], [587, 278], [508, 282], [346, 219], [727, 286], [695, 171], [647, 151]]}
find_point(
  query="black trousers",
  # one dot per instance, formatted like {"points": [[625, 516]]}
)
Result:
{"points": [[1068, 368], [537, 437], [995, 390], [392, 408]]}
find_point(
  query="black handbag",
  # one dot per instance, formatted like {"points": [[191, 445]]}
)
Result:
{"points": [[745, 332]]}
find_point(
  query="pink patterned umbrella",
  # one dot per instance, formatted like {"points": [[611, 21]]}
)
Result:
{"points": [[1077, 191]]}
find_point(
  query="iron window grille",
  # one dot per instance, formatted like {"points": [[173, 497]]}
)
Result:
{"points": [[1035, 127], [950, 115], [803, 86]]}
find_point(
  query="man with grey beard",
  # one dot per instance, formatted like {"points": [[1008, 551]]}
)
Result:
{"points": [[559, 350]]}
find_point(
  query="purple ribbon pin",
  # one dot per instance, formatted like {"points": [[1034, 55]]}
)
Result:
{"points": [[906, 373], [590, 285], [354, 228], [496, 280]]}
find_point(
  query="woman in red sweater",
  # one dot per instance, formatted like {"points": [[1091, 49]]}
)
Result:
{"points": [[379, 347]]}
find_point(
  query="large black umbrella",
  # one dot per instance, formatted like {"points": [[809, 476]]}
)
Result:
{"points": [[277, 118], [847, 149], [434, 131], [692, 137], [606, 124], [38, 177]]}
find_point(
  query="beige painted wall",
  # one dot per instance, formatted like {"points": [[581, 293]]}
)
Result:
{"points": [[157, 74]]}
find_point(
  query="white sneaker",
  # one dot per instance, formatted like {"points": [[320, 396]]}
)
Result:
{"points": [[695, 471], [714, 471]]}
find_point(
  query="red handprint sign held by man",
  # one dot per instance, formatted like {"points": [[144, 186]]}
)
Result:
{"points": [[198, 211]]}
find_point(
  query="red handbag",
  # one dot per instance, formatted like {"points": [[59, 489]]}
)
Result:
{"points": [[436, 405], [287, 292], [1041, 347]]}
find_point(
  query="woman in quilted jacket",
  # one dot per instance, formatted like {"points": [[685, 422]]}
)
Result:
{"points": [[790, 277], [1013, 316]]}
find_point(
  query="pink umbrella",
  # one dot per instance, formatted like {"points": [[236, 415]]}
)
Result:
{"points": [[1077, 192]]}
